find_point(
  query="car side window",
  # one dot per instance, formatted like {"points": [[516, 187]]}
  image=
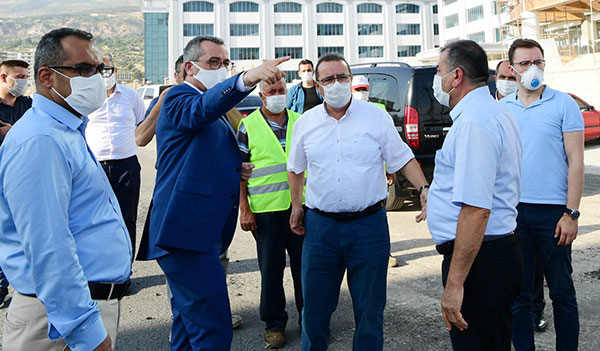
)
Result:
{"points": [[149, 94], [582, 106], [426, 102], [384, 90]]}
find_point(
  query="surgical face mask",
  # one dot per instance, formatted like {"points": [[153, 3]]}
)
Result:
{"points": [[532, 78], [361, 95], [306, 77], [506, 87], [210, 78], [87, 93], [276, 103], [19, 87], [438, 91], [110, 81], [337, 94]]}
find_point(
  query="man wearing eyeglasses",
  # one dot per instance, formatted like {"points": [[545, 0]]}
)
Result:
{"points": [[63, 243], [196, 196], [343, 145], [110, 134], [551, 187]]}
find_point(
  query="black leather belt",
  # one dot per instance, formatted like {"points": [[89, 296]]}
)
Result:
{"points": [[112, 162], [104, 291], [447, 248], [348, 216]]}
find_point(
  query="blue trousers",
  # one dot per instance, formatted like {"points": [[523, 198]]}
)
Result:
{"points": [[536, 224], [200, 304], [360, 246]]}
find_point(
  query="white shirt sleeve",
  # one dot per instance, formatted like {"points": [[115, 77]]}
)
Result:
{"points": [[297, 161], [395, 152], [139, 108], [239, 84]]}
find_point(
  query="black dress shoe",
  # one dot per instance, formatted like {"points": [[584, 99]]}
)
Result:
{"points": [[540, 323]]}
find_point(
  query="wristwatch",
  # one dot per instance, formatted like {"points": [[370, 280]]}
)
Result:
{"points": [[423, 187], [574, 214]]}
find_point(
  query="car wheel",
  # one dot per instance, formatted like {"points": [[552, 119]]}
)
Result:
{"points": [[393, 202]]}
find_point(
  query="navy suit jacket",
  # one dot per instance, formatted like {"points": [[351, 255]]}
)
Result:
{"points": [[198, 172]]}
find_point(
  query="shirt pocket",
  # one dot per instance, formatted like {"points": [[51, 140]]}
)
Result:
{"points": [[364, 150], [443, 174]]}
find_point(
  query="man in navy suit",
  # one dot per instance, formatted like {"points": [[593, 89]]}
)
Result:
{"points": [[195, 202]]}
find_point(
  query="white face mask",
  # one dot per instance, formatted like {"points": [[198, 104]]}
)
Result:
{"points": [[506, 87], [110, 81], [19, 87], [361, 95], [306, 77], [276, 103], [87, 93], [210, 78], [440, 95], [532, 78], [337, 94]]}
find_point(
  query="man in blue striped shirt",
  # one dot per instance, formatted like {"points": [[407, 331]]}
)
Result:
{"points": [[64, 246]]}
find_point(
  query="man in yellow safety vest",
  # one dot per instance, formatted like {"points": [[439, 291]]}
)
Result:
{"points": [[265, 205]]}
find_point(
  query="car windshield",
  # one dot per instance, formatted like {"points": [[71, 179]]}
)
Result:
{"points": [[250, 101]]}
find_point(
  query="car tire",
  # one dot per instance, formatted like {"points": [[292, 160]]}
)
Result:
{"points": [[393, 202]]}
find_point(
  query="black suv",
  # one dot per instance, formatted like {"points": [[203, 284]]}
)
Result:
{"points": [[420, 119]]}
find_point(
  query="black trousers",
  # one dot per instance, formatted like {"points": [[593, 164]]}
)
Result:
{"points": [[124, 177], [273, 237], [537, 298], [490, 289]]}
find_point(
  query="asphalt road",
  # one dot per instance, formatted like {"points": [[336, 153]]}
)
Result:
{"points": [[412, 316]]}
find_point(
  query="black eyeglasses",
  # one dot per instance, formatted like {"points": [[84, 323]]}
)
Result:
{"points": [[342, 78], [215, 63], [88, 70], [525, 64]]}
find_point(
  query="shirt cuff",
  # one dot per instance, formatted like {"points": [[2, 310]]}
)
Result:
{"points": [[239, 84], [88, 336]]}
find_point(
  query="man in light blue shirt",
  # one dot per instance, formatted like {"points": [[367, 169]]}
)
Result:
{"points": [[63, 242], [472, 203], [552, 183]]}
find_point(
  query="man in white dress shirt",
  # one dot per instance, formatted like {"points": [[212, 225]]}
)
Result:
{"points": [[110, 134], [343, 145]]}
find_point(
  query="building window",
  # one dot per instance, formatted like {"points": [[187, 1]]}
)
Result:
{"points": [[330, 29], [195, 29], [478, 37], [284, 29], [452, 21], [497, 34], [290, 76], [287, 7], [407, 8], [156, 48], [198, 6], [436, 29], [475, 13], [368, 8], [408, 50], [322, 50], [244, 53], [435, 9], [243, 29], [370, 29], [329, 7], [408, 29], [370, 51], [495, 7], [294, 53], [243, 6]]}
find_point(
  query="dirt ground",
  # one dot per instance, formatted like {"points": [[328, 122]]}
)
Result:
{"points": [[412, 316]]}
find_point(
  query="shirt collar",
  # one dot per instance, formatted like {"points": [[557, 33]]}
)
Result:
{"points": [[473, 95], [59, 113], [351, 109], [547, 94], [192, 85]]}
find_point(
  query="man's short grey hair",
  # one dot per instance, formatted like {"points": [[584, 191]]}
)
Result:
{"points": [[49, 51], [192, 51], [261, 84]]}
